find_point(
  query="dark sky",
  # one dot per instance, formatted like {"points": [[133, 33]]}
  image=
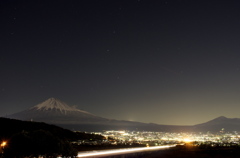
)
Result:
{"points": [[161, 61]]}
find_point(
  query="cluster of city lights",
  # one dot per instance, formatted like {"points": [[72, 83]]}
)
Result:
{"points": [[3, 144], [165, 137]]}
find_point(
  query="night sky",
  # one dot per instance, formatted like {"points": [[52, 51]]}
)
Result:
{"points": [[171, 62]]}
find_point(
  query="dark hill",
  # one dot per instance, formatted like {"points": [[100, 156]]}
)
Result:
{"points": [[31, 139], [11, 127]]}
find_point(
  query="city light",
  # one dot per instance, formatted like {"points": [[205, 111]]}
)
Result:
{"points": [[166, 138], [3, 144], [187, 140]]}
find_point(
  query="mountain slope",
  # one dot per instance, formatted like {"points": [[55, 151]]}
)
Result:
{"points": [[56, 112], [219, 123]]}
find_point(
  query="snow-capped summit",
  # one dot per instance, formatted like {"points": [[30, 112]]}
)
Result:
{"points": [[55, 104]]}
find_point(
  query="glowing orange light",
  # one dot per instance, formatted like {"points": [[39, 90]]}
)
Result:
{"points": [[187, 140], [4, 143]]}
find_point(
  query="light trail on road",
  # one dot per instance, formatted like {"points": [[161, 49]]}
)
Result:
{"points": [[121, 151]]}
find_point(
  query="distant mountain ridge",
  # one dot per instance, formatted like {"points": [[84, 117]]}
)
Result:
{"points": [[222, 122], [54, 111]]}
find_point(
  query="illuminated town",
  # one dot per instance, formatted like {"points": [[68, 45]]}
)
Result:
{"points": [[148, 138]]}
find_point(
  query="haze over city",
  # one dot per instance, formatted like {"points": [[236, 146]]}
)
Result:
{"points": [[165, 62]]}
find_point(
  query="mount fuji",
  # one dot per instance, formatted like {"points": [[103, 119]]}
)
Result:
{"points": [[54, 111]]}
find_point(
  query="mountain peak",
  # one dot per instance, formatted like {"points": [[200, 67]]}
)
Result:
{"points": [[218, 120], [221, 118], [54, 104]]}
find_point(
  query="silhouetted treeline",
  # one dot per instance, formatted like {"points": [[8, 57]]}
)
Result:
{"points": [[30, 139], [12, 126], [39, 142]]}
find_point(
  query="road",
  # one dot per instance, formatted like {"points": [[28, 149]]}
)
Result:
{"points": [[108, 153]]}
